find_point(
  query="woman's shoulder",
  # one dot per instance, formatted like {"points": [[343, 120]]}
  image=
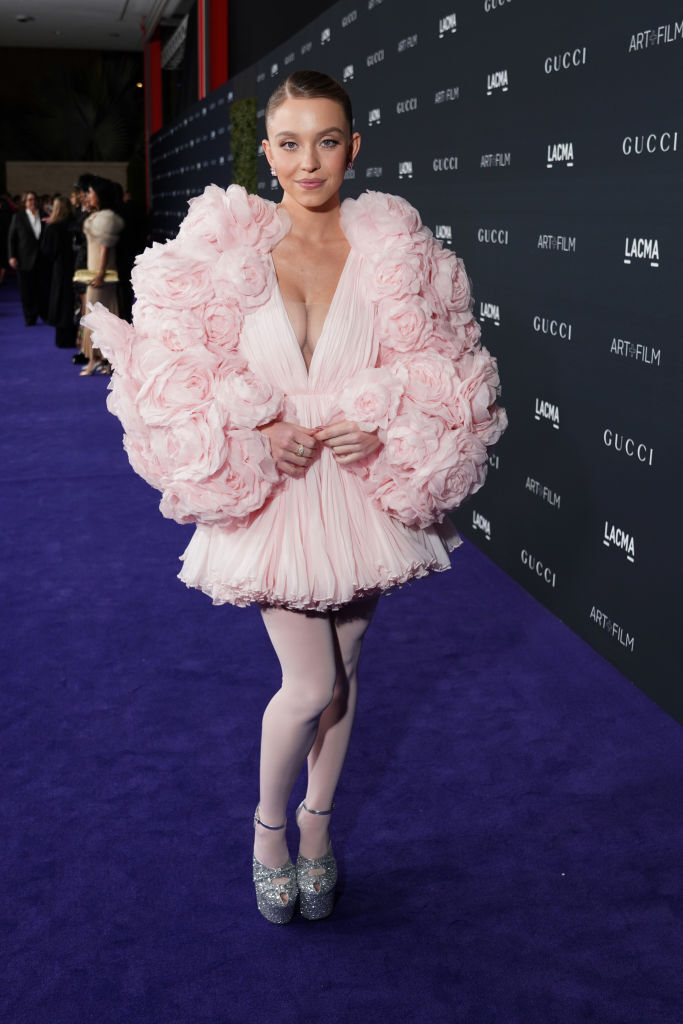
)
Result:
{"points": [[376, 220], [222, 219]]}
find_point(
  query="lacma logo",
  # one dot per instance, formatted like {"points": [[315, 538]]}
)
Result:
{"points": [[449, 23], [497, 80], [560, 153], [375, 116], [347, 75], [273, 70], [489, 311], [479, 522], [614, 536], [444, 233], [646, 249], [545, 410], [373, 172], [325, 36], [405, 169]]}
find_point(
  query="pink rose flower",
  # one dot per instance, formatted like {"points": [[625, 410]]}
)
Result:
{"points": [[193, 449], [403, 500], [457, 470], [411, 440], [430, 382], [165, 277], [243, 271], [371, 399], [236, 490], [247, 401], [122, 402], [185, 383], [223, 322], [379, 221], [441, 338], [271, 223], [396, 277], [144, 463], [114, 337], [449, 278], [476, 397], [220, 220], [174, 329], [403, 325]]}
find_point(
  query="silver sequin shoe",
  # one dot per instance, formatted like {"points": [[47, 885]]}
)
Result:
{"points": [[316, 878], [276, 888]]}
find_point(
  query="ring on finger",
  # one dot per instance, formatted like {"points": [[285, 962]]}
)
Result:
{"points": [[300, 451]]}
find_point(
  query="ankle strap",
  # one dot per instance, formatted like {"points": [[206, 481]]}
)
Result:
{"points": [[303, 804], [271, 828]]}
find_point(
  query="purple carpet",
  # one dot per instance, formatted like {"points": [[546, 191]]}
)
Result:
{"points": [[508, 826]]}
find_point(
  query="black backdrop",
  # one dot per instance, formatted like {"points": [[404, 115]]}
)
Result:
{"points": [[544, 143]]}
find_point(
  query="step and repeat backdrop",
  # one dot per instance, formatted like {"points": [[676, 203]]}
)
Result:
{"points": [[544, 144]]}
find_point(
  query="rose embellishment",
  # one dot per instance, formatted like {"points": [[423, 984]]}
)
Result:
{"points": [[371, 399]]}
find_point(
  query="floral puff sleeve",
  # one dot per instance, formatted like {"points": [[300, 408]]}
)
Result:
{"points": [[433, 396], [187, 400]]}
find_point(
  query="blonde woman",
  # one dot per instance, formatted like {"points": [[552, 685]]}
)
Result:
{"points": [[305, 383]]}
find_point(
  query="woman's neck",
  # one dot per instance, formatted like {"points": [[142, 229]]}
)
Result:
{"points": [[315, 225]]}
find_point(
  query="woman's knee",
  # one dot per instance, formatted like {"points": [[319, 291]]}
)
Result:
{"points": [[309, 695]]}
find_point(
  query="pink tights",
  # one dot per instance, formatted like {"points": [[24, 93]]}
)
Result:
{"points": [[310, 717]]}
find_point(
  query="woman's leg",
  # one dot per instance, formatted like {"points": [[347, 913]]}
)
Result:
{"points": [[326, 759], [307, 651]]}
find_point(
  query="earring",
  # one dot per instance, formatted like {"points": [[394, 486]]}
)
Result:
{"points": [[273, 171], [349, 166]]}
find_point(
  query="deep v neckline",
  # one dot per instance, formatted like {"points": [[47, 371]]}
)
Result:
{"points": [[323, 332]]}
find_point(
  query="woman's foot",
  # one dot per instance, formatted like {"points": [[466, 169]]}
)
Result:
{"points": [[275, 878], [316, 867]]}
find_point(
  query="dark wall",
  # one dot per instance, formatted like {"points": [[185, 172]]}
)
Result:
{"points": [[257, 29], [79, 105], [545, 145]]}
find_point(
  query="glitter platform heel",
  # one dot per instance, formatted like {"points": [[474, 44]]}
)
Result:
{"points": [[316, 878], [276, 888]]}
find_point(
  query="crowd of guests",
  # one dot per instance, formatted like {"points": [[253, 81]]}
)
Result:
{"points": [[69, 251]]}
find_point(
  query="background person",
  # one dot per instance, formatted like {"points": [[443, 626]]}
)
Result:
{"points": [[23, 246], [57, 249], [102, 229]]}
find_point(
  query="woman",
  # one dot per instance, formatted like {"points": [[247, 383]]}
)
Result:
{"points": [[56, 247], [306, 385], [23, 247], [102, 230]]}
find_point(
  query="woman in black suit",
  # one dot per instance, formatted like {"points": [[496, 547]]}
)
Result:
{"points": [[55, 244], [23, 246]]}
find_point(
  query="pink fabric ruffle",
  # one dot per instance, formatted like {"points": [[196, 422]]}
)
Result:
{"points": [[187, 400], [435, 440]]}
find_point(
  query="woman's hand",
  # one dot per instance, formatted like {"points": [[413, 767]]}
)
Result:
{"points": [[97, 281], [292, 446], [348, 442]]}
